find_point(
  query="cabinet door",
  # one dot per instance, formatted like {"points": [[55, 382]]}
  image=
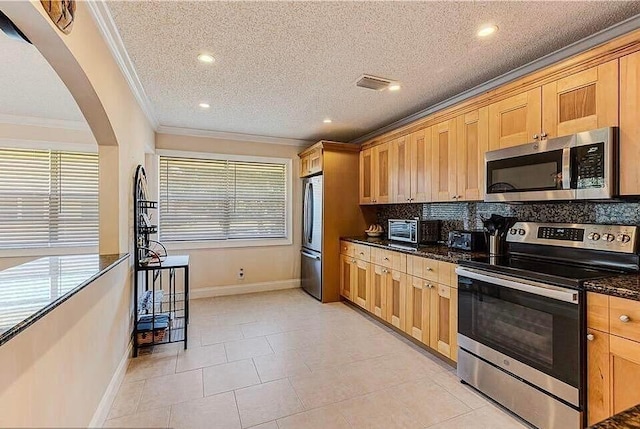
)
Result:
{"points": [[315, 161], [381, 174], [304, 166], [347, 274], [379, 291], [444, 321], [515, 120], [417, 312], [366, 176], [582, 101], [360, 284], [420, 153], [396, 298], [625, 373], [624, 318], [473, 142], [400, 170], [598, 398], [629, 124], [443, 165]]}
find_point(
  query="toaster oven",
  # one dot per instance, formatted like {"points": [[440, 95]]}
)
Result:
{"points": [[413, 231]]}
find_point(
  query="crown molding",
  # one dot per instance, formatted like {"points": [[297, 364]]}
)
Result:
{"points": [[32, 121], [102, 17], [575, 48], [223, 135]]}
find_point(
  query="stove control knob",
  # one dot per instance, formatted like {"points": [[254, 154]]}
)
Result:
{"points": [[521, 231], [608, 237], [593, 236], [624, 238], [513, 231]]}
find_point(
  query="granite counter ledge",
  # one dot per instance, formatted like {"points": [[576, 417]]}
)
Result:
{"points": [[440, 252], [628, 419], [31, 290], [622, 286]]}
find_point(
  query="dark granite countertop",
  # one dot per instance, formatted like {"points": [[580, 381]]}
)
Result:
{"points": [[31, 290], [623, 286], [628, 419], [435, 251]]}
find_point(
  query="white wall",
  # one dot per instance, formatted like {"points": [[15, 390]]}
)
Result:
{"points": [[214, 271]]}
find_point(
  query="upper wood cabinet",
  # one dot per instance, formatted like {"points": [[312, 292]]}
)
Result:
{"points": [[443, 165], [629, 124], [400, 170], [375, 178], [420, 155], [473, 142], [515, 120], [366, 177], [311, 162], [580, 102]]}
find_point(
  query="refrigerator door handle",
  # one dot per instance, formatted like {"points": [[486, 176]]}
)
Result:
{"points": [[310, 212], [309, 255]]}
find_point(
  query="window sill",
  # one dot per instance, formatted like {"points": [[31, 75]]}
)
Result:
{"points": [[47, 251], [226, 244]]}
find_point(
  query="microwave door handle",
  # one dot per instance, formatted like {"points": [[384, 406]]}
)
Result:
{"points": [[566, 168]]}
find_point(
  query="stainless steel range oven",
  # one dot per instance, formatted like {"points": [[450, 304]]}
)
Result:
{"points": [[521, 317]]}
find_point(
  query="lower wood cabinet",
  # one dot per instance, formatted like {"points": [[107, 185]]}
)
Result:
{"points": [[444, 316], [396, 288], [347, 270], [379, 291], [418, 308], [597, 376], [360, 284]]}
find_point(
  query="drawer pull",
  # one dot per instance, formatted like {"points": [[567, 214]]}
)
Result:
{"points": [[428, 269], [362, 253], [429, 285], [385, 271], [590, 337], [624, 318], [386, 259]]}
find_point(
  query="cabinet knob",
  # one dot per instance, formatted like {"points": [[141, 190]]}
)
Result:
{"points": [[362, 253], [536, 137], [429, 285], [385, 271], [543, 135], [624, 318], [590, 337], [386, 259], [353, 260], [428, 269]]}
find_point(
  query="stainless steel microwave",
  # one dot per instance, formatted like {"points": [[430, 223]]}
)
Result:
{"points": [[575, 167]]}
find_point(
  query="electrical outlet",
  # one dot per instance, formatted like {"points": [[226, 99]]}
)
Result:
{"points": [[241, 274]]}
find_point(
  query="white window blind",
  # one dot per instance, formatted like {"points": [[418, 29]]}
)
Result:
{"points": [[217, 199], [48, 199]]}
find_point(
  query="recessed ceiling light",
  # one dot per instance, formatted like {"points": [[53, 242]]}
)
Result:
{"points": [[204, 105], [206, 58], [327, 121], [487, 30], [394, 87]]}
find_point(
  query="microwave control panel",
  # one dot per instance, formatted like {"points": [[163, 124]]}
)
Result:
{"points": [[590, 165], [613, 238]]}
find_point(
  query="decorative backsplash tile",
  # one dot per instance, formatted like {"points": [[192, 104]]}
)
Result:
{"points": [[469, 215]]}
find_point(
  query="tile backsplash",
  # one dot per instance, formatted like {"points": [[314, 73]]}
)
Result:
{"points": [[469, 215]]}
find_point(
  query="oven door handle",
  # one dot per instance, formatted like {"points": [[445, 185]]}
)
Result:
{"points": [[535, 288]]}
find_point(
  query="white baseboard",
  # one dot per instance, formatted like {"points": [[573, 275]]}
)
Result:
{"points": [[242, 288], [101, 413]]}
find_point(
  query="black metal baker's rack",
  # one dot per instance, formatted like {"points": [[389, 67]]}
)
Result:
{"points": [[162, 301]]}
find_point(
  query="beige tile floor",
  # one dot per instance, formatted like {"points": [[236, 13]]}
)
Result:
{"points": [[281, 360]]}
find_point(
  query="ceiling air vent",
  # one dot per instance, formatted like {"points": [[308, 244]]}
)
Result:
{"points": [[373, 82]]}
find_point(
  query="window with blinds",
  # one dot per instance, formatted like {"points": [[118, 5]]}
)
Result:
{"points": [[48, 199], [218, 199]]}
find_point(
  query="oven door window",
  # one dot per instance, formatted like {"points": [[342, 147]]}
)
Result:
{"points": [[538, 331], [537, 172]]}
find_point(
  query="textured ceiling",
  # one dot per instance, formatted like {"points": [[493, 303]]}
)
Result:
{"points": [[282, 67], [30, 87]]}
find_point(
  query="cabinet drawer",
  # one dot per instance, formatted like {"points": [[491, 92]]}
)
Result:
{"points": [[624, 318], [598, 311], [423, 268], [389, 259], [347, 248], [362, 252]]}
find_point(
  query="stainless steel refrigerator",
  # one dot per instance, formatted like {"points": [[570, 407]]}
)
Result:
{"points": [[311, 269]]}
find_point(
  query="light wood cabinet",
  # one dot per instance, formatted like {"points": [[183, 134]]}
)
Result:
{"points": [[381, 176], [420, 155], [582, 101], [629, 124], [347, 273], [400, 170], [443, 324], [624, 318], [625, 373], [379, 291], [360, 284], [311, 163], [515, 120], [396, 286], [443, 165], [393, 260], [597, 376], [366, 177], [418, 308], [473, 142]]}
